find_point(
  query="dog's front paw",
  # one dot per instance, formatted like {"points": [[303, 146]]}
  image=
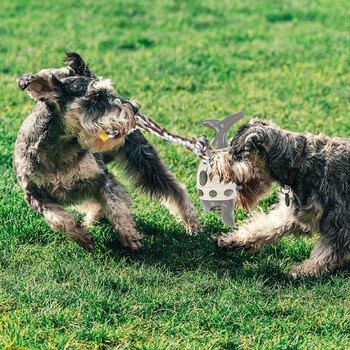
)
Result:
{"points": [[133, 242], [303, 271], [225, 242], [193, 227], [84, 238]]}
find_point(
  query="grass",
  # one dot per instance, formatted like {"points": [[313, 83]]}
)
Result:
{"points": [[185, 61]]}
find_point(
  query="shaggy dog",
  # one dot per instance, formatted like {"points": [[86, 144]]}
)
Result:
{"points": [[314, 175], [59, 157]]}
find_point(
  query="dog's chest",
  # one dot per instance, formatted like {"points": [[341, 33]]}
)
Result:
{"points": [[68, 178], [309, 215]]}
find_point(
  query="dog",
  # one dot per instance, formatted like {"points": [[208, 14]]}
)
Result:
{"points": [[314, 175], [60, 159]]}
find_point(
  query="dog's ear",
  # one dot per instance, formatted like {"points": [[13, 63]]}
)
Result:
{"points": [[258, 133], [74, 61], [40, 86], [254, 139]]}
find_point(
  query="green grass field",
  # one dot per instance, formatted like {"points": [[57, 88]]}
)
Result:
{"points": [[186, 61]]}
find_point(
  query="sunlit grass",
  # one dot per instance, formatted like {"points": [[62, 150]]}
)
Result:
{"points": [[186, 61]]}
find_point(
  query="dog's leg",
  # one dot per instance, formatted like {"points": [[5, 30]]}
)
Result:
{"points": [[328, 253], [117, 207], [147, 170], [60, 220], [92, 210], [179, 204], [259, 230]]}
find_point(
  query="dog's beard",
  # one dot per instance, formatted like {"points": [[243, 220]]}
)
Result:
{"points": [[91, 137], [96, 144], [249, 174], [253, 190], [88, 129]]}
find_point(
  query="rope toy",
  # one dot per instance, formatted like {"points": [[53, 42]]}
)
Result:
{"points": [[199, 146]]}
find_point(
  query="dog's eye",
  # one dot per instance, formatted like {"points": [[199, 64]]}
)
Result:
{"points": [[96, 95]]}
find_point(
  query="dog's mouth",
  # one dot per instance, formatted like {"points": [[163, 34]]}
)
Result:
{"points": [[119, 129], [96, 143], [110, 134], [100, 131], [105, 135]]}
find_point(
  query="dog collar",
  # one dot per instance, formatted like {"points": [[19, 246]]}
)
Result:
{"points": [[285, 189]]}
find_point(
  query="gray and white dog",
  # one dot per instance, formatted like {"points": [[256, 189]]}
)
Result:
{"points": [[59, 157], [314, 175]]}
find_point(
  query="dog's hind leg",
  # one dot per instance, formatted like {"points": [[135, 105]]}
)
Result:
{"points": [[117, 206], [146, 169], [60, 220], [329, 252], [259, 230]]}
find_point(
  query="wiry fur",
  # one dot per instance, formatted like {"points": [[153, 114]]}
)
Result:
{"points": [[261, 153], [60, 159]]}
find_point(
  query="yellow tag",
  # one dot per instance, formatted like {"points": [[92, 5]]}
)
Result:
{"points": [[103, 136]]}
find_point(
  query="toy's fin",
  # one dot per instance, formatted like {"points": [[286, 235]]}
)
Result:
{"points": [[221, 127]]}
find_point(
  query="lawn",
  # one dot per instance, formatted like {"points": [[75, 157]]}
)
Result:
{"points": [[185, 61]]}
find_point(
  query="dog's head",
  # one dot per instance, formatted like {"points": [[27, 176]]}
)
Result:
{"points": [[267, 146], [246, 161], [87, 105], [251, 141]]}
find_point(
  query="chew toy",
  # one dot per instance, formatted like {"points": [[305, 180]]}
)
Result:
{"points": [[213, 194]]}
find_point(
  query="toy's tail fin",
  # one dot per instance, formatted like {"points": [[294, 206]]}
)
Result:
{"points": [[221, 127]]}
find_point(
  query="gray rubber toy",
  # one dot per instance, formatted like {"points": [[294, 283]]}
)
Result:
{"points": [[213, 194], [221, 128]]}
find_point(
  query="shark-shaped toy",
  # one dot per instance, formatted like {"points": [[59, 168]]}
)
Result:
{"points": [[213, 194]]}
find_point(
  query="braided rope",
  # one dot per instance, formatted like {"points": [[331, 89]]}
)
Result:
{"points": [[198, 146]]}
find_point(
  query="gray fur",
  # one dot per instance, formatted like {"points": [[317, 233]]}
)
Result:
{"points": [[262, 153], [59, 156]]}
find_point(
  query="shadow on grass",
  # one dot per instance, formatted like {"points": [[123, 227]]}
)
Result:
{"points": [[179, 252], [168, 246]]}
